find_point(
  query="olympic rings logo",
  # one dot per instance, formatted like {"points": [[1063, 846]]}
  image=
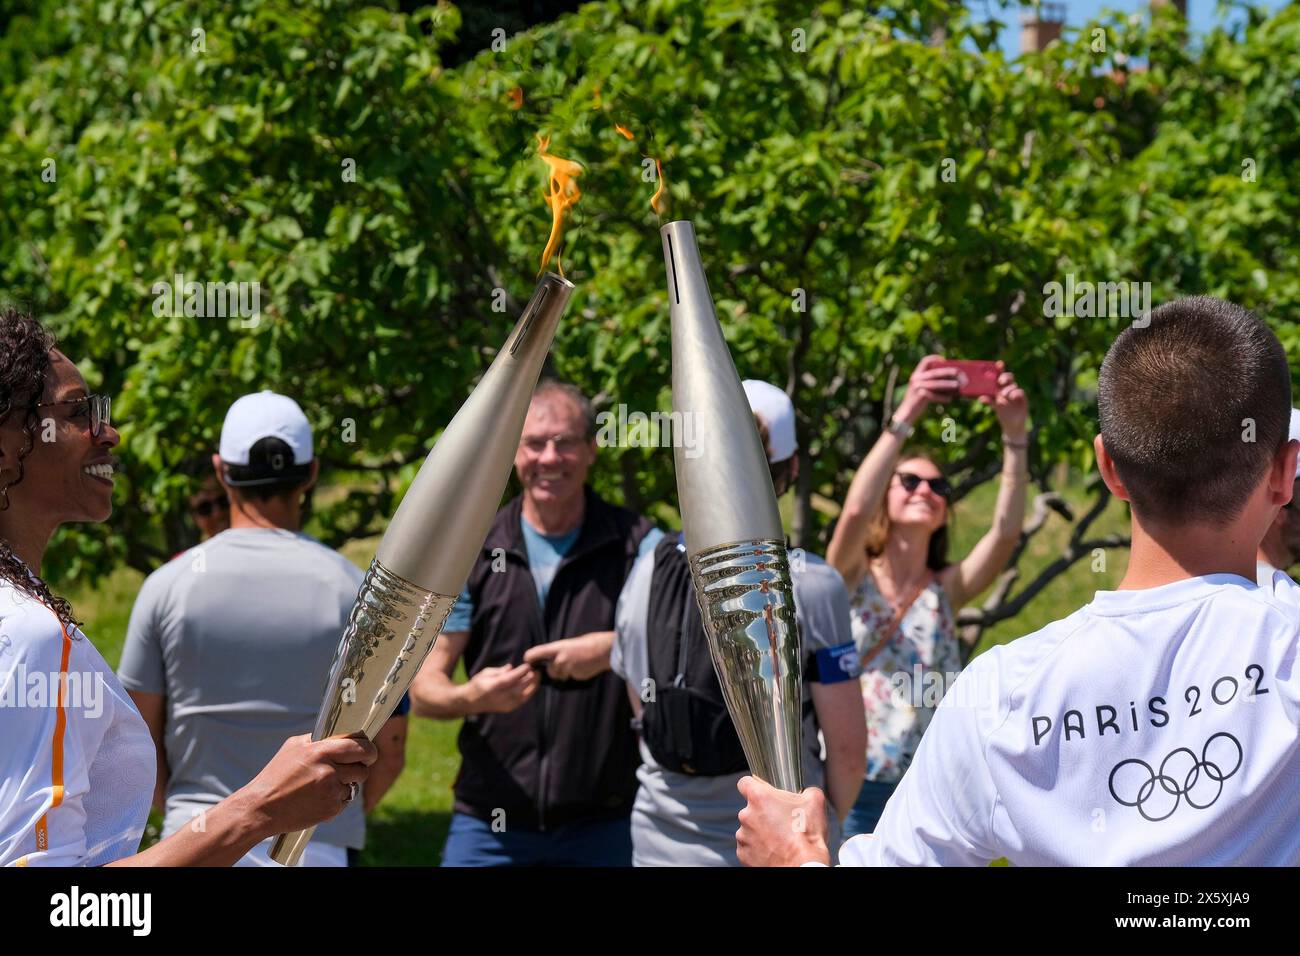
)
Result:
{"points": [[1182, 776]]}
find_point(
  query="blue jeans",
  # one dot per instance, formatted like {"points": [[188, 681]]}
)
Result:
{"points": [[471, 842], [869, 806]]}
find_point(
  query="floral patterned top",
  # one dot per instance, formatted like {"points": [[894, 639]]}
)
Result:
{"points": [[903, 683]]}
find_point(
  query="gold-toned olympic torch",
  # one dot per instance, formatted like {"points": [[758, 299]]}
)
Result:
{"points": [[734, 540], [425, 556]]}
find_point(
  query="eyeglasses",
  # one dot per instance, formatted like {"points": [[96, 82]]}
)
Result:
{"points": [[564, 444], [910, 482], [210, 506], [95, 408]]}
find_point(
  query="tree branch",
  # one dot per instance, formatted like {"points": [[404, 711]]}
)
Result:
{"points": [[998, 607]]}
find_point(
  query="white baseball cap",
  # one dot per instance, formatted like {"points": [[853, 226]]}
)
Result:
{"points": [[773, 405], [265, 415]]}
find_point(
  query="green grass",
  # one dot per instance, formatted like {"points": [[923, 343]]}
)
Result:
{"points": [[409, 827]]}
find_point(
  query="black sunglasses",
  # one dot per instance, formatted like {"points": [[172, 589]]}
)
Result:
{"points": [[911, 482], [97, 408], [210, 506]]}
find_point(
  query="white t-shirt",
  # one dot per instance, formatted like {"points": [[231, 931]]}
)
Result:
{"points": [[1264, 572], [77, 767], [1152, 727]]}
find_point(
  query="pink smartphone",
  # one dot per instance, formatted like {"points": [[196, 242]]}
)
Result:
{"points": [[976, 377]]}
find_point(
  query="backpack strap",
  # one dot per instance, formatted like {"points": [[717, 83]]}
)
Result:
{"points": [[683, 646], [670, 587]]}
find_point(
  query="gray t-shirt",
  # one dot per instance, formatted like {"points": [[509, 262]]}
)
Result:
{"points": [[683, 820], [238, 634]]}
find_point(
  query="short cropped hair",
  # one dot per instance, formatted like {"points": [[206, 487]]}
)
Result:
{"points": [[548, 386], [1193, 407]]}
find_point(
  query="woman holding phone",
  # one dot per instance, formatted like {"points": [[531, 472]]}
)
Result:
{"points": [[890, 545], [77, 765]]}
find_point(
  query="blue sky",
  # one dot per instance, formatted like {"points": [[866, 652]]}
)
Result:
{"points": [[1203, 15]]}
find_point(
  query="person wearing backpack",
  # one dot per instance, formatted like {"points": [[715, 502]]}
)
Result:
{"points": [[686, 802]]}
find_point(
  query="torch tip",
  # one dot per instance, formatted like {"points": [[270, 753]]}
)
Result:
{"points": [[556, 277]]}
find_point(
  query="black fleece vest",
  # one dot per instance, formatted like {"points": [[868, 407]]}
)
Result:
{"points": [[569, 754]]}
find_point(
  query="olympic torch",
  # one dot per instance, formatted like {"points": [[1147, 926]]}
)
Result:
{"points": [[734, 540], [425, 556]]}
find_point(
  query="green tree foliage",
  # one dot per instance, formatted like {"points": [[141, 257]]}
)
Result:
{"points": [[214, 141], [919, 189]]}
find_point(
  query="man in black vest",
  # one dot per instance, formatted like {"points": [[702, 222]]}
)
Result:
{"points": [[548, 756]]}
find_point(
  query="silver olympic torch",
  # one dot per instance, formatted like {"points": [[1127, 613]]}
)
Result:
{"points": [[425, 556], [734, 540]]}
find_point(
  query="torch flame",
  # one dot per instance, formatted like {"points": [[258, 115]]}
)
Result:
{"points": [[657, 200], [563, 194]]}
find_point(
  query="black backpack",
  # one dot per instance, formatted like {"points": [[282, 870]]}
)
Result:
{"points": [[686, 725]]}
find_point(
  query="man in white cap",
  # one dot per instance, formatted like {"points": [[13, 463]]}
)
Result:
{"points": [[686, 803], [230, 644], [1280, 548]]}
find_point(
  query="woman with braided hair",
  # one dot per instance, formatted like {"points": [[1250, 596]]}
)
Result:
{"points": [[77, 766]]}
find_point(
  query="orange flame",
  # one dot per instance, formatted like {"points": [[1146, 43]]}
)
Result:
{"points": [[563, 194], [657, 201]]}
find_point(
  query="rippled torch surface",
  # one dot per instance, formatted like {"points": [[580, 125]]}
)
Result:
{"points": [[734, 538], [425, 556]]}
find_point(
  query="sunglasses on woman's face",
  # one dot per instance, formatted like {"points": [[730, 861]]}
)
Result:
{"points": [[911, 482], [210, 506]]}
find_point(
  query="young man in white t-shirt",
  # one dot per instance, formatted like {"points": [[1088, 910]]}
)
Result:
{"points": [[1157, 725]]}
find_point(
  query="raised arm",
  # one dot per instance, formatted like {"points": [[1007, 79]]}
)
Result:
{"points": [[869, 485], [965, 579]]}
